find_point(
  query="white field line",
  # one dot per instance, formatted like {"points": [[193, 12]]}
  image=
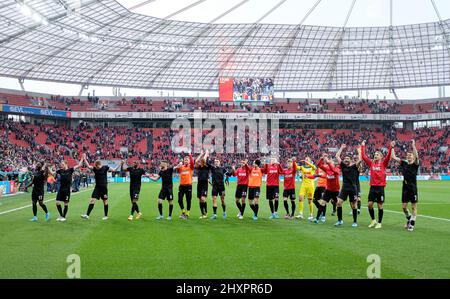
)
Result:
{"points": [[14, 194], [48, 200], [418, 215], [423, 216], [420, 203]]}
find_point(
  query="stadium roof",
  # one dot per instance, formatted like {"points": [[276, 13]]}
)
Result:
{"points": [[365, 13], [101, 42]]}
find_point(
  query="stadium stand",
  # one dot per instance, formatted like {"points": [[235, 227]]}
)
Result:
{"points": [[23, 143], [147, 104]]}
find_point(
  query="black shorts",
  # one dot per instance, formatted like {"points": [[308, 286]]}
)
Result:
{"points": [[254, 192], [349, 193], [289, 194], [166, 193], [318, 193], [202, 189], [410, 195], [272, 192], [330, 195], [37, 196], [184, 190], [376, 194], [100, 192], [241, 191], [63, 195], [218, 190], [134, 193]]}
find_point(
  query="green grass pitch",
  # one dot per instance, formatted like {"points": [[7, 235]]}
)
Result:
{"points": [[220, 248]]}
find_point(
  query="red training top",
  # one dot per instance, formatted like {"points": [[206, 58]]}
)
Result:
{"points": [[289, 177], [377, 169], [273, 172], [242, 174], [332, 173]]}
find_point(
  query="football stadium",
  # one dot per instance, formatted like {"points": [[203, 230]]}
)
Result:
{"points": [[240, 139]]}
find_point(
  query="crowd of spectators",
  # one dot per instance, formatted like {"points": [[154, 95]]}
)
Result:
{"points": [[442, 106], [433, 148], [306, 106], [117, 143], [50, 103], [62, 142], [384, 107]]}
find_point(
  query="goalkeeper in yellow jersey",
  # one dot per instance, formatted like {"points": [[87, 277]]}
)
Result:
{"points": [[307, 170]]}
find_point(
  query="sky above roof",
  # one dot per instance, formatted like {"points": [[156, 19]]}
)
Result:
{"points": [[327, 13]]}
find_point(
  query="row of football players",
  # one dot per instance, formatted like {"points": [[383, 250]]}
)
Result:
{"points": [[249, 181]]}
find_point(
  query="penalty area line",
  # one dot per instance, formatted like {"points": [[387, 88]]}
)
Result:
{"points": [[45, 201]]}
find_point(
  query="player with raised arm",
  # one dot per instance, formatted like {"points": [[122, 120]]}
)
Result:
{"points": [[136, 174], [254, 187], [219, 176], [332, 189], [350, 174], [320, 189], [101, 186], [377, 168], [166, 192], [273, 170], [242, 174], [38, 180], [409, 169], [307, 187], [65, 179], [186, 172], [289, 187], [358, 183], [203, 169]]}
